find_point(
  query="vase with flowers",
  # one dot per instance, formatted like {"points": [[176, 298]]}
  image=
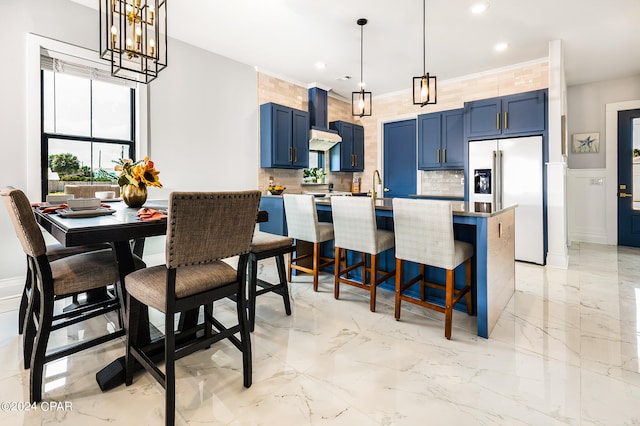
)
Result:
{"points": [[134, 177]]}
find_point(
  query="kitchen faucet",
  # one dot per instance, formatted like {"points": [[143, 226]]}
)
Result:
{"points": [[373, 186]]}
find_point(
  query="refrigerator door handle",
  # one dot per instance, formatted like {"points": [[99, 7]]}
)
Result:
{"points": [[494, 179]]}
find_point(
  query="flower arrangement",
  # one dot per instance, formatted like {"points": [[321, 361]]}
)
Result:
{"points": [[139, 173], [313, 175]]}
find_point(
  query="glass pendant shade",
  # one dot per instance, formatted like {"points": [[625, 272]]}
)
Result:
{"points": [[361, 103], [425, 90]]}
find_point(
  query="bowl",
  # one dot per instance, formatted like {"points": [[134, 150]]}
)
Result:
{"points": [[83, 203], [58, 198], [276, 191], [106, 195]]}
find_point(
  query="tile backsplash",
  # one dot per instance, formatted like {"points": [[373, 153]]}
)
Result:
{"points": [[443, 182]]}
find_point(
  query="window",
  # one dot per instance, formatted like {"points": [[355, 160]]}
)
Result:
{"points": [[87, 123]]}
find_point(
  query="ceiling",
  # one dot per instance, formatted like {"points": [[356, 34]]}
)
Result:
{"points": [[287, 38]]}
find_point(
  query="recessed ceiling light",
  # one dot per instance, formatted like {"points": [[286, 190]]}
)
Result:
{"points": [[320, 65], [479, 8], [344, 78], [501, 46]]}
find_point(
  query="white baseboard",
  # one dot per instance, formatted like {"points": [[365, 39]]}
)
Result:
{"points": [[11, 287]]}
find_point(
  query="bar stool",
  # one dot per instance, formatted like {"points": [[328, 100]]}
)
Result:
{"points": [[263, 246], [354, 222], [303, 225], [424, 235]]}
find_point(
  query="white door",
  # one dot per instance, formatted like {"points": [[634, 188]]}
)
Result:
{"points": [[522, 185]]}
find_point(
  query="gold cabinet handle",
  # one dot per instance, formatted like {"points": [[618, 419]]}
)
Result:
{"points": [[497, 121], [624, 195], [506, 120], [438, 155], [295, 154], [444, 155], [500, 230], [290, 154]]}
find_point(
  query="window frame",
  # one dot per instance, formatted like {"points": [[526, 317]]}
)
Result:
{"points": [[35, 44], [44, 149]]}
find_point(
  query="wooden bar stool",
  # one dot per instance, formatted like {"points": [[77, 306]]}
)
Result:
{"points": [[424, 235], [263, 246], [354, 224], [303, 225]]}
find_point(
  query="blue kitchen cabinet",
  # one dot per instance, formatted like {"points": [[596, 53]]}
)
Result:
{"points": [[274, 206], [523, 113], [348, 155], [284, 137], [441, 140]]}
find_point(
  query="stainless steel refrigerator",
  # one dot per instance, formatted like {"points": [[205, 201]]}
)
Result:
{"points": [[503, 172]]}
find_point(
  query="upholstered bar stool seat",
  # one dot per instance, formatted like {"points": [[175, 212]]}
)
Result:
{"points": [[303, 225], [263, 246], [424, 235], [354, 223]]}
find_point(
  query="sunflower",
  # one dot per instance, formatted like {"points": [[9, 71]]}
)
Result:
{"points": [[140, 173]]}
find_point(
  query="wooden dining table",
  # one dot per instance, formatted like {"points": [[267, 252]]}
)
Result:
{"points": [[126, 233]]}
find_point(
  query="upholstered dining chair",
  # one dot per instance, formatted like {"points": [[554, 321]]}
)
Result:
{"points": [[203, 228], [264, 246], [424, 235], [89, 191], [355, 229], [53, 280], [303, 225]]}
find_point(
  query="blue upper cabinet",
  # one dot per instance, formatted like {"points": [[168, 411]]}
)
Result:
{"points": [[284, 137], [441, 140], [348, 155], [523, 113]]}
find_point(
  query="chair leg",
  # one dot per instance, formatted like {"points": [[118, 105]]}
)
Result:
{"points": [[291, 257], [29, 334], [316, 264], [398, 287], [24, 301], [372, 282], [422, 271], [253, 282], [40, 348], [245, 338], [336, 274], [448, 310], [363, 259], [133, 316], [169, 369], [284, 283], [468, 296]]}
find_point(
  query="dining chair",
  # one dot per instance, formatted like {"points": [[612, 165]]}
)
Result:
{"points": [[202, 229], [264, 246], [355, 229], [303, 225], [54, 280], [424, 235], [89, 191]]}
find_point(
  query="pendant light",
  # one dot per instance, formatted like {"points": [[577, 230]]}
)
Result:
{"points": [[424, 86], [133, 37], [361, 101]]}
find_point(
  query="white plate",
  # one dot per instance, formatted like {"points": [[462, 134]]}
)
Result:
{"points": [[111, 200], [85, 213]]}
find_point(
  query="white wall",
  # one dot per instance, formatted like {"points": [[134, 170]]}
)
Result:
{"points": [[592, 191], [203, 112]]}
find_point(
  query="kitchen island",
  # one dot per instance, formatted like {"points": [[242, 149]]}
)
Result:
{"points": [[490, 231]]}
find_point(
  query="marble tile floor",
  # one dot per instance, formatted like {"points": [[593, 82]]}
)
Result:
{"points": [[565, 351]]}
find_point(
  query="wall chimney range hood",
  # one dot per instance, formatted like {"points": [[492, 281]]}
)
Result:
{"points": [[321, 138]]}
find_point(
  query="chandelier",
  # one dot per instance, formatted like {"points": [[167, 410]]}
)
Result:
{"points": [[424, 86], [361, 101], [133, 37]]}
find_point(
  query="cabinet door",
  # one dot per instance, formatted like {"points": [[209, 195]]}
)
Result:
{"points": [[452, 142], [524, 112], [281, 137], [358, 148], [484, 118], [300, 140], [429, 136]]}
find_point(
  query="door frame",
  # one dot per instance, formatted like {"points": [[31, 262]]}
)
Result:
{"points": [[380, 148], [611, 132]]}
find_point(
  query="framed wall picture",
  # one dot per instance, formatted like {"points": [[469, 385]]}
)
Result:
{"points": [[585, 143]]}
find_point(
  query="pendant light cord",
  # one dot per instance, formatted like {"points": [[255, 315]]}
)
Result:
{"points": [[424, 37], [361, 56]]}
